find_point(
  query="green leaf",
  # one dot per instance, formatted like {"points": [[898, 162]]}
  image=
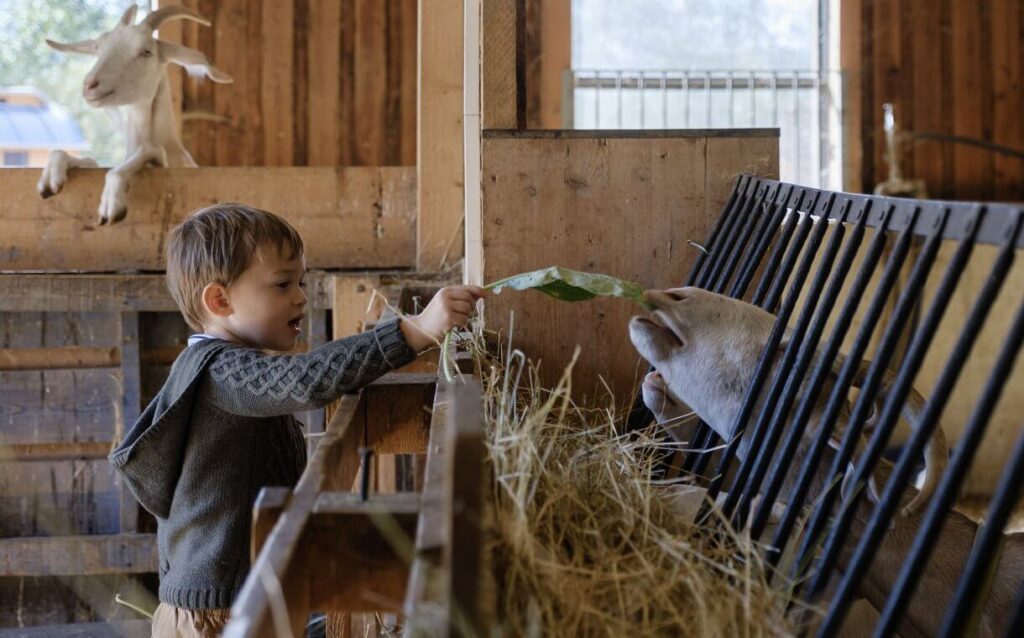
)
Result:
{"points": [[571, 285]]}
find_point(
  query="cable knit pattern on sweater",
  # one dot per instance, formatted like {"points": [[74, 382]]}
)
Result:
{"points": [[219, 431]]}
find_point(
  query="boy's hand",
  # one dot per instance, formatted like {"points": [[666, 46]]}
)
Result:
{"points": [[452, 306]]}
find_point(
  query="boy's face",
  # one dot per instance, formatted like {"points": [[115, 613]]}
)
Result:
{"points": [[267, 302]]}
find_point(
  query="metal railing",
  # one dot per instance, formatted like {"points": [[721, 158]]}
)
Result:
{"points": [[798, 102], [776, 233]]}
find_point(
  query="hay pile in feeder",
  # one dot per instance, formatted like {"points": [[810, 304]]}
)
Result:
{"points": [[584, 542]]}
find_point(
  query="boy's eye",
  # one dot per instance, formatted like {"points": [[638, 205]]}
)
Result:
{"points": [[283, 284]]}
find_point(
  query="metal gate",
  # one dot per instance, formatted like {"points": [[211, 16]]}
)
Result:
{"points": [[776, 232]]}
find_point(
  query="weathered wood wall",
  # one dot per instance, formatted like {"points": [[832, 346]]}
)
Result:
{"points": [[622, 203], [953, 67], [317, 82], [349, 217]]}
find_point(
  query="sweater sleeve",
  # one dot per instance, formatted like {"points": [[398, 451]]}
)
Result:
{"points": [[249, 382]]}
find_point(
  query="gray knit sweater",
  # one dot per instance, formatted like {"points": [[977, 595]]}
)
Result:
{"points": [[219, 431]]}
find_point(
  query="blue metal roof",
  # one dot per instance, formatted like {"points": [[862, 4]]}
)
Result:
{"points": [[47, 126]]}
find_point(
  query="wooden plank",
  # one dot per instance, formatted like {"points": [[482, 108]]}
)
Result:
{"points": [[408, 93], [555, 60], [59, 451], [851, 55], [439, 144], [1008, 92], [348, 217], [370, 81], [131, 408], [323, 84], [85, 293], [552, 200], [499, 90], [72, 357], [172, 32], [78, 555], [277, 43], [111, 629], [266, 511]]}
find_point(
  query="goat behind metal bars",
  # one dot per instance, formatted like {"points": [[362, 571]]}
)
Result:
{"points": [[788, 421], [130, 74]]}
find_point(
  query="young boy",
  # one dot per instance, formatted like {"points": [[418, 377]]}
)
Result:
{"points": [[221, 428]]}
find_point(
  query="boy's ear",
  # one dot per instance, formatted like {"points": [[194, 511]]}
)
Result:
{"points": [[215, 300]]}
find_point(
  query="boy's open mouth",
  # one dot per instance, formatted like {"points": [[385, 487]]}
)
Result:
{"points": [[296, 323]]}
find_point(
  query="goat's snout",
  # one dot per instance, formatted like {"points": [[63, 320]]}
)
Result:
{"points": [[90, 83], [662, 298]]}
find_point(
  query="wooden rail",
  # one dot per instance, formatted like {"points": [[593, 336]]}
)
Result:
{"points": [[321, 547]]}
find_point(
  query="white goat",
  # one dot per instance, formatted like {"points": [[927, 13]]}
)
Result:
{"points": [[705, 348], [130, 73]]}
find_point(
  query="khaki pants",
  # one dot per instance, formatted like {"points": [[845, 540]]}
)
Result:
{"points": [[174, 622]]}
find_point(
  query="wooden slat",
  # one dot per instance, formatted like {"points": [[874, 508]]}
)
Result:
{"points": [[543, 189], [78, 555], [277, 42], [370, 81], [324, 48], [113, 293], [113, 629], [58, 451], [348, 217], [499, 90], [440, 143], [1007, 56], [58, 358], [131, 408]]}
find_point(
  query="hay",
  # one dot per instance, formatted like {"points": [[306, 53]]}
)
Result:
{"points": [[583, 542]]}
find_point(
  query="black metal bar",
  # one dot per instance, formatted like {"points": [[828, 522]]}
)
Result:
{"points": [[821, 372], [778, 251], [872, 386], [969, 590], [746, 228], [1015, 626], [697, 459], [878, 524], [952, 478], [959, 609], [761, 428], [764, 363], [837, 399], [728, 240], [704, 438], [702, 255], [791, 371], [799, 423]]}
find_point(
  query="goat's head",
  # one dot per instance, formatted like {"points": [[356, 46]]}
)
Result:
{"points": [[705, 347], [130, 61]]}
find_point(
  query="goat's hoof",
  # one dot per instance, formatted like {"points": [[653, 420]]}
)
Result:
{"points": [[46, 193]]}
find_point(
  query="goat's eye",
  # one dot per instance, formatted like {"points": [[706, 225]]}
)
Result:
{"points": [[146, 53]]}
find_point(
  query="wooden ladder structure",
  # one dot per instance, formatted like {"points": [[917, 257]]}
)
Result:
{"points": [[323, 547]]}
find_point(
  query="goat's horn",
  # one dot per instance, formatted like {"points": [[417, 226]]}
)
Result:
{"points": [[174, 12]]}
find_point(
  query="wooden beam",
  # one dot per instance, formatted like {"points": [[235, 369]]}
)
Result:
{"points": [[555, 60], [114, 293], [61, 451], [131, 408], [349, 217], [114, 554], [112, 629], [439, 145], [68, 358], [501, 86]]}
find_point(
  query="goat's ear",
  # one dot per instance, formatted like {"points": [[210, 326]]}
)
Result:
{"points": [[194, 61], [88, 47], [128, 17]]}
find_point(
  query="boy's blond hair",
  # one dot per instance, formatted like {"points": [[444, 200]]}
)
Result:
{"points": [[215, 245]]}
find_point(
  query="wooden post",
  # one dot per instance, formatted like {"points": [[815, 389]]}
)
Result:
{"points": [[439, 147], [131, 408]]}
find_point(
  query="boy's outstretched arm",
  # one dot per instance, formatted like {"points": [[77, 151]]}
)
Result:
{"points": [[249, 382]]}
